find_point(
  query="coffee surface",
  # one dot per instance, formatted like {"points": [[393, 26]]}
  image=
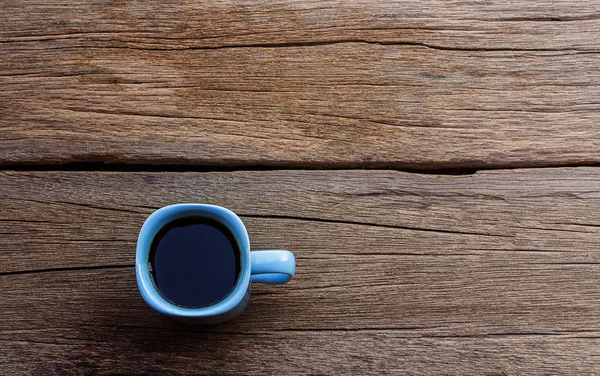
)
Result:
{"points": [[194, 262]]}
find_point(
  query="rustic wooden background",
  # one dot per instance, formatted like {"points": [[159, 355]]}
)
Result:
{"points": [[432, 164]]}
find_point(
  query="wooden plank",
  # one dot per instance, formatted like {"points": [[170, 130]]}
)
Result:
{"points": [[154, 351], [412, 84], [492, 272]]}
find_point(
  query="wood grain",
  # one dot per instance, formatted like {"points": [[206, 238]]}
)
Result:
{"points": [[398, 273], [411, 84]]}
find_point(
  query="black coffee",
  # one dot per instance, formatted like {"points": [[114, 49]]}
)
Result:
{"points": [[194, 262]]}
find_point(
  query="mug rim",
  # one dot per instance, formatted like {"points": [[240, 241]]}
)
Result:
{"points": [[157, 220]]}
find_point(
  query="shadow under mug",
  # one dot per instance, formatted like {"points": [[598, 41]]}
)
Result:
{"points": [[273, 267]]}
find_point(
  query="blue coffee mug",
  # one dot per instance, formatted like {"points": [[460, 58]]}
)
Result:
{"points": [[273, 267]]}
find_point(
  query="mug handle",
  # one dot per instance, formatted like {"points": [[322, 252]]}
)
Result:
{"points": [[273, 267]]}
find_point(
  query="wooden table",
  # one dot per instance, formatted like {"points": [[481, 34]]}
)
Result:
{"points": [[432, 164]]}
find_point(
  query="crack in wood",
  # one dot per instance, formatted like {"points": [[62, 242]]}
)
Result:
{"points": [[80, 204], [326, 220], [65, 269]]}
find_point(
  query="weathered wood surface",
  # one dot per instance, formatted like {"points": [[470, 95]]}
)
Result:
{"points": [[411, 84], [494, 273]]}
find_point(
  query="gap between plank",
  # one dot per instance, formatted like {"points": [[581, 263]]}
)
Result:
{"points": [[182, 167]]}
